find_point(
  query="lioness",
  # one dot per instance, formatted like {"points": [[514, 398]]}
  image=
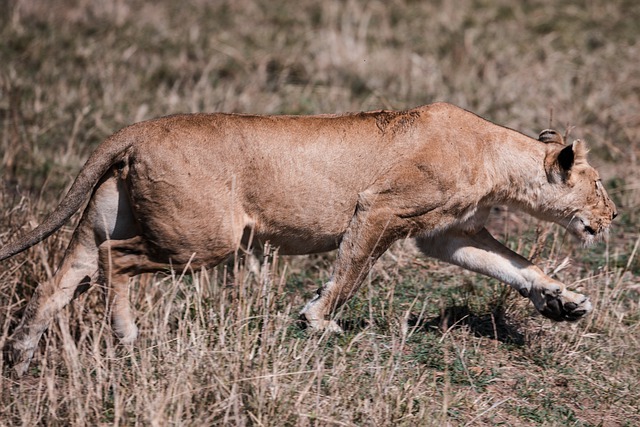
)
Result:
{"points": [[191, 189]]}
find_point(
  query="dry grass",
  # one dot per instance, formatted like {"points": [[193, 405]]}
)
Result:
{"points": [[426, 344]]}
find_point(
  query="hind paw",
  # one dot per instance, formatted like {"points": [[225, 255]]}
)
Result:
{"points": [[18, 355]]}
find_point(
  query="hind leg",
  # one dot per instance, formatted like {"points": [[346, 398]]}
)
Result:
{"points": [[78, 267], [107, 214], [119, 261]]}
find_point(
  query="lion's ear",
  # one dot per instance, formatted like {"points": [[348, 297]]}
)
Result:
{"points": [[572, 154], [566, 158], [580, 150], [550, 136], [560, 161]]}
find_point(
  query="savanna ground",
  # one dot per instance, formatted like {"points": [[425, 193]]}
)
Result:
{"points": [[425, 343]]}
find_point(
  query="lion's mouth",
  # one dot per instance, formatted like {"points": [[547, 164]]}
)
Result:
{"points": [[585, 231], [590, 230], [582, 229]]}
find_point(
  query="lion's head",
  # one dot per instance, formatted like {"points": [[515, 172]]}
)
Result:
{"points": [[577, 199]]}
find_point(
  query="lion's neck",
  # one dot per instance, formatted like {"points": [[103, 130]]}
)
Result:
{"points": [[519, 176]]}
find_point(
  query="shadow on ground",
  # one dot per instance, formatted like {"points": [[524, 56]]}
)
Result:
{"points": [[495, 325]]}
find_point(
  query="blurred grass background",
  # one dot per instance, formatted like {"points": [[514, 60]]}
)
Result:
{"points": [[427, 343]]}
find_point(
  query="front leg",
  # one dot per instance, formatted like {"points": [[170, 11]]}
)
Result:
{"points": [[370, 232], [481, 253]]}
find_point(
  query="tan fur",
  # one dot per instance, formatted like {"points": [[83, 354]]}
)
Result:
{"points": [[191, 188]]}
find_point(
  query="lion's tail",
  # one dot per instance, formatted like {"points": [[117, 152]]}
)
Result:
{"points": [[107, 154]]}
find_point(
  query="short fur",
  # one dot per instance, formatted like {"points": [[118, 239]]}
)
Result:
{"points": [[191, 188]]}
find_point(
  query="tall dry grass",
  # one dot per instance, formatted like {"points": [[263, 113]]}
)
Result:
{"points": [[426, 344]]}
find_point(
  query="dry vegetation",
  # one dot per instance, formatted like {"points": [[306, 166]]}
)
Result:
{"points": [[426, 344]]}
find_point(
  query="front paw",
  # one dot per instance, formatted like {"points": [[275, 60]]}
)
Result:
{"points": [[319, 325], [315, 317], [562, 306]]}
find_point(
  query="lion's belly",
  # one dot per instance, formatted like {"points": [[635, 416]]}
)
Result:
{"points": [[303, 225], [299, 244], [300, 238]]}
